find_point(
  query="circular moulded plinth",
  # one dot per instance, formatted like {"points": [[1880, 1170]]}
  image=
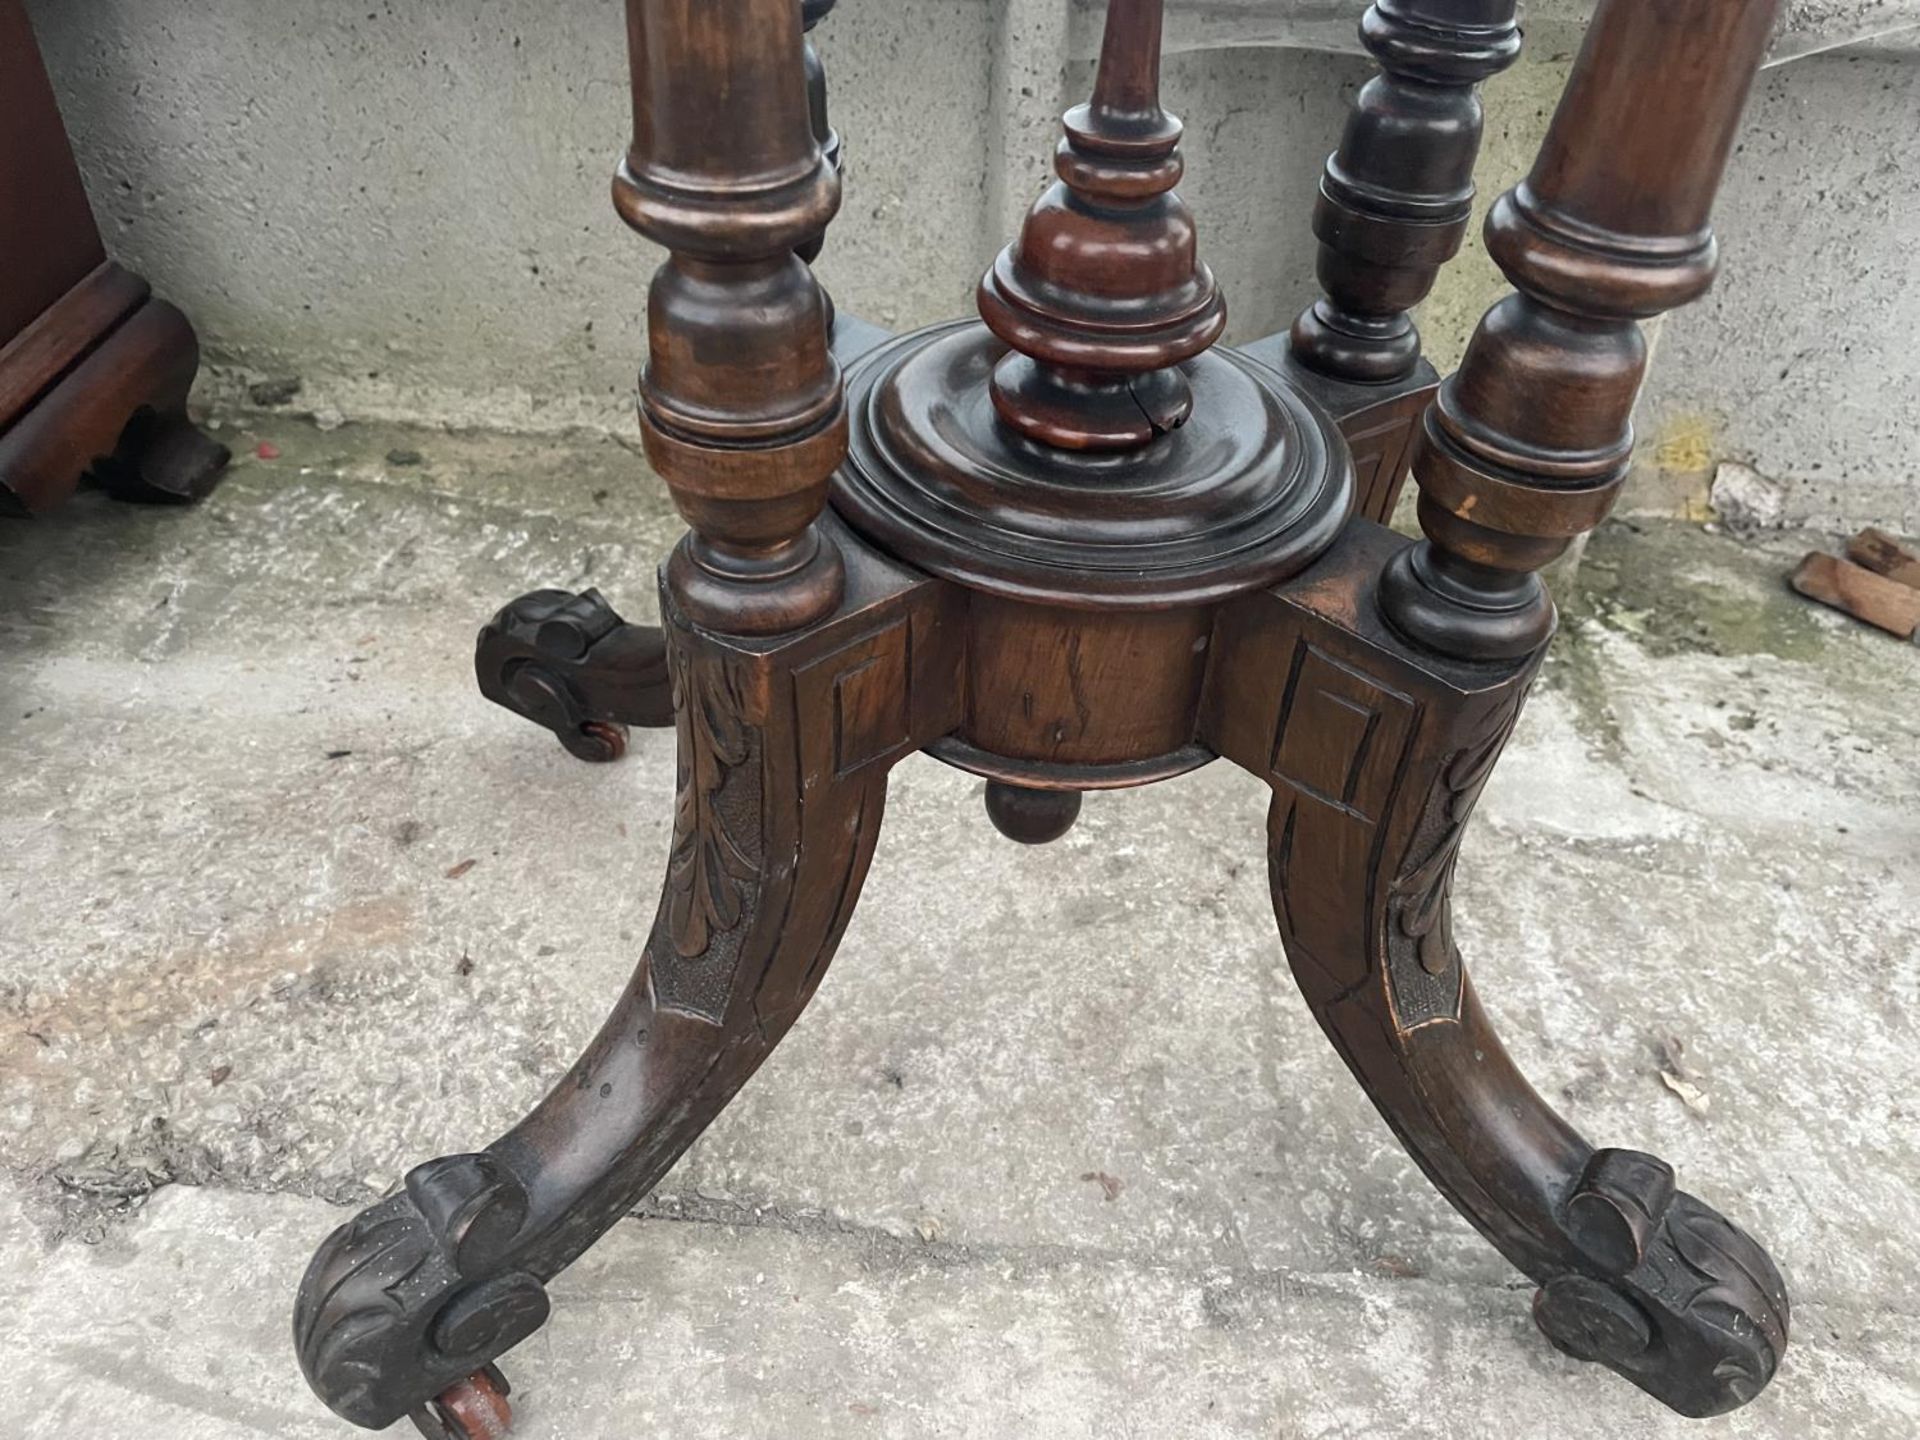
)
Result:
{"points": [[1250, 490]]}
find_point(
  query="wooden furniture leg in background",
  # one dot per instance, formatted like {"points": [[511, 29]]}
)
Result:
{"points": [[1376, 693], [1393, 208], [94, 371], [801, 667]]}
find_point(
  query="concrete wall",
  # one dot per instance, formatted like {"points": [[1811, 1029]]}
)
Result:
{"points": [[407, 206], [1805, 359]]}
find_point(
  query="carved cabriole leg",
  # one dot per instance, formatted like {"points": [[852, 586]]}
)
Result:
{"points": [[1376, 750], [802, 666], [1394, 203], [1402, 671], [784, 750]]}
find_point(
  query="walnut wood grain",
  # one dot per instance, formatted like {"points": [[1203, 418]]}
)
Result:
{"points": [[1103, 295], [424, 1289], [741, 407], [1396, 195], [1077, 545]]}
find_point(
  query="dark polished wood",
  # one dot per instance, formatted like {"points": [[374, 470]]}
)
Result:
{"points": [[570, 663], [94, 371], [1377, 748], [1396, 196], [1528, 445], [1103, 295], [1076, 545], [741, 405], [1032, 817], [1394, 202]]}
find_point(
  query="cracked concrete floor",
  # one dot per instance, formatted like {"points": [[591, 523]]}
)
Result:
{"points": [[1057, 1152]]}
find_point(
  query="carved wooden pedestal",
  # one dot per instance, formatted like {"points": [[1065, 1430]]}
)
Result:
{"points": [[94, 371], [1075, 545]]}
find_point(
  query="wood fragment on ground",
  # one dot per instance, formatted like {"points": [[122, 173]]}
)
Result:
{"points": [[1879, 552], [1859, 592]]}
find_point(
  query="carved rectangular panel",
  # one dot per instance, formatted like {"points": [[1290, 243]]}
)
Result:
{"points": [[1379, 459], [863, 692], [1381, 439], [1336, 729], [1339, 746]]}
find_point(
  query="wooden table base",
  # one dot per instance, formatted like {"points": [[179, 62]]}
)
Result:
{"points": [[1076, 545]]}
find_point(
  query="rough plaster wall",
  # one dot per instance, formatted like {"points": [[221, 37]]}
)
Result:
{"points": [[408, 206], [1805, 27], [1803, 359]]}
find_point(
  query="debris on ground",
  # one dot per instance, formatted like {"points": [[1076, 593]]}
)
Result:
{"points": [[1110, 1185], [1746, 500], [462, 868], [328, 418], [267, 450], [1867, 592], [403, 459], [1679, 1077], [1691, 1095], [275, 391], [1879, 552]]}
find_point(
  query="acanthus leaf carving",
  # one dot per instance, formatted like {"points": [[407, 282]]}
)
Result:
{"points": [[710, 867], [1696, 1313], [1422, 964], [418, 1291]]}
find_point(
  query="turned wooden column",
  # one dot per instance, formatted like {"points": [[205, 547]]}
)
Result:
{"points": [[812, 12], [1529, 443], [1396, 196], [741, 407], [1103, 295]]}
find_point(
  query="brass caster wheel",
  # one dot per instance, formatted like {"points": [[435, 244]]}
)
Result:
{"points": [[600, 742], [474, 1409]]}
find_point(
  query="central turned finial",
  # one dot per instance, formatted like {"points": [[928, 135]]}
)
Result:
{"points": [[1103, 295]]}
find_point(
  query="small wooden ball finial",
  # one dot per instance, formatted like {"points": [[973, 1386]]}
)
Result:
{"points": [[1032, 817]]}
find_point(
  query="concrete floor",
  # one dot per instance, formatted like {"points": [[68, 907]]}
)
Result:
{"points": [[1056, 1153]]}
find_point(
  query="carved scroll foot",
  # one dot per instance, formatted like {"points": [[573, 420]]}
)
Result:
{"points": [[571, 664], [1690, 1308], [417, 1293], [1377, 751], [784, 748]]}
